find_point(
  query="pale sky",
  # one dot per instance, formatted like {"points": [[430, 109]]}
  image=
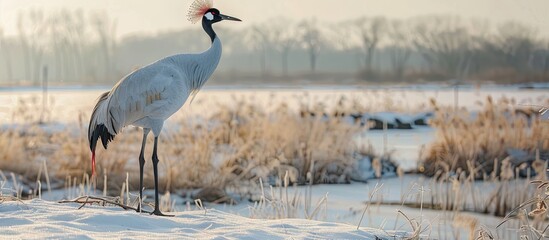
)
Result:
{"points": [[139, 16]]}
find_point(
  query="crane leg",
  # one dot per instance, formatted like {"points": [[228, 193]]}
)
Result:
{"points": [[155, 168], [141, 165]]}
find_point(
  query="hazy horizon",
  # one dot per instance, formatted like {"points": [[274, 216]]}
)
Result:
{"points": [[148, 18]]}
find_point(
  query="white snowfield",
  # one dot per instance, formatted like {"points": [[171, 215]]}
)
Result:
{"points": [[38, 219]]}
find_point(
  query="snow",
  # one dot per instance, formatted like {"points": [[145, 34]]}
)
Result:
{"points": [[44, 219], [338, 218], [405, 146]]}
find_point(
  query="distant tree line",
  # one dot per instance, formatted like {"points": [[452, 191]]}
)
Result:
{"points": [[74, 46], [82, 47]]}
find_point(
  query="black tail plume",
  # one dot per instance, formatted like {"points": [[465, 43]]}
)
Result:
{"points": [[100, 131], [96, 128]]}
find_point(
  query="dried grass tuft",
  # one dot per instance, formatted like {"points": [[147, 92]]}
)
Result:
{"points": [[463, 138]]}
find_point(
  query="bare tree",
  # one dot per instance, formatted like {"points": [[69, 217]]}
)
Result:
{"points": [[400, 46], [31, 34], [371, 31], [543, 58], [284, 37], [68, 39], [1, 41], [106, 31], [76, 31], [5, 53], [311, 40], [540, 58], [259, 38], [55, 36], [24, 42], [62, 44], [342, 39], [445, 44], [516, 42]]}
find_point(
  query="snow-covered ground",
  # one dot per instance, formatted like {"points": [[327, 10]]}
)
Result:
{"points": [[38, 219], [338, 217]]}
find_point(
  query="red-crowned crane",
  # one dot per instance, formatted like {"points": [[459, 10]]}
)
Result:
{"points": [[148, 96]]}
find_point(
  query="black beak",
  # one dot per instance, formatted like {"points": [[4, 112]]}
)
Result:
{"points": [[225, 17]]}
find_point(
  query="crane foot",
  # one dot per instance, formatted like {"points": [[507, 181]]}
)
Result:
{"points": [[158, 213]]}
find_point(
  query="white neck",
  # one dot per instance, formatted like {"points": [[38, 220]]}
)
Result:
{"points": [[205, 65]]}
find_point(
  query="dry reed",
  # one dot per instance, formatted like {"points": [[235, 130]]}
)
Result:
{"points": [[235, 144], [479, 144]]}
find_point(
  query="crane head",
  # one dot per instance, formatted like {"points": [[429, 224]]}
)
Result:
{"points": [[213, 15], [203, 10]]}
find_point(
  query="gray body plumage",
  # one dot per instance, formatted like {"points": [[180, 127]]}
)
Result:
{"points": [[148, 96]]}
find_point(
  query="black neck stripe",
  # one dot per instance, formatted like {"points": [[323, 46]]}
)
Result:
{"points": [[207, 25]]}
